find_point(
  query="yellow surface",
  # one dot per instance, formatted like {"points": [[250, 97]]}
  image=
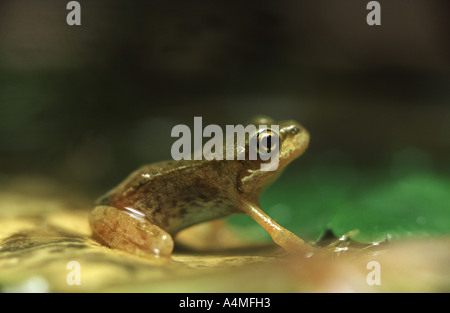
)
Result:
{"points": [[43, 228]]}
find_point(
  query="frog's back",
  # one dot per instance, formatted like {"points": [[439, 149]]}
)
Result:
{"points": [[177, 194]]}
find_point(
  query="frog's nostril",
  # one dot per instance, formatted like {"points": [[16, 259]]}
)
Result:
{"points": [[295, 130]]}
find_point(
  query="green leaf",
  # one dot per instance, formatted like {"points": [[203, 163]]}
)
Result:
{"points": [[379, 203]]}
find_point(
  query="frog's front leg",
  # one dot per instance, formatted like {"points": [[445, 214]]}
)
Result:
{"points": [[118, 229], [281, 236]]}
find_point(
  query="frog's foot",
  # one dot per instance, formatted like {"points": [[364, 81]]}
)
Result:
{"points": [[343, 240], [136, 235], [281, 236], [346, 245]]}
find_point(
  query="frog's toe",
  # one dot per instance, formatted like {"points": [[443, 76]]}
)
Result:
{"points": [[117, 229]]}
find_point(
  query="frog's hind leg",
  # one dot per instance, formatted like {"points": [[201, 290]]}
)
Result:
{"points": [[136, 235], [281, 236]]}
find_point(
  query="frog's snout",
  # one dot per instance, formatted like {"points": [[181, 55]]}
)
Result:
{"points": [[294, 131], [295, 140], [302, 138]]}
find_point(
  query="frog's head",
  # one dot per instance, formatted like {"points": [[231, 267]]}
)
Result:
{"points": [[278, 143]]}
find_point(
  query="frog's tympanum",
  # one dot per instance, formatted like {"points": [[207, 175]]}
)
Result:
{"points": [[143, 213]]}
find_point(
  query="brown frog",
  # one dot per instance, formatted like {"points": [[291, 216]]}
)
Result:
{"points": [[144, 213]]}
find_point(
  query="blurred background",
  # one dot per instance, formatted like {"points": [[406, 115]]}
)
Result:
{"points": [[85, 105]]}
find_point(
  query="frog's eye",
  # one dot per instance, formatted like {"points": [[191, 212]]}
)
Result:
{"points": [[267, 141]]}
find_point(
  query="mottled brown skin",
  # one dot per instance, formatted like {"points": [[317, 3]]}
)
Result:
{"points": [[144, 212]]}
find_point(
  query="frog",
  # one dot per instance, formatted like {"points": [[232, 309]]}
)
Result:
{"points": [[143, 214]]}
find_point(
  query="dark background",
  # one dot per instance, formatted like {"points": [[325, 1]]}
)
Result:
{"points": [[86, 105]]}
